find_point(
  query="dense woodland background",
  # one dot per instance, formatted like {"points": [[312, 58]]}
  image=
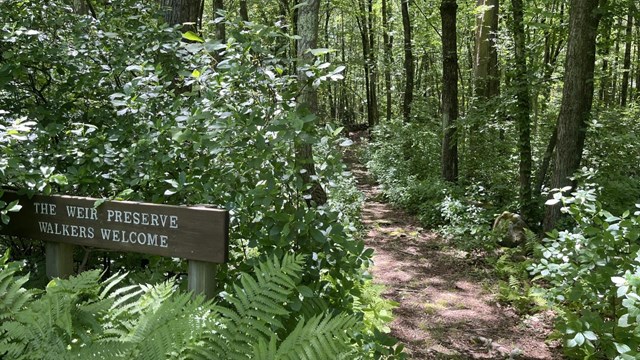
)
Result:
{"points": [[472, 109]]}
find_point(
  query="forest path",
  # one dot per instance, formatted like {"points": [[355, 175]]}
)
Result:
{"points": [[447, 305]]}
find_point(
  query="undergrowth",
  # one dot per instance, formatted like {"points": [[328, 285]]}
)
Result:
{"points": [[587, 271]]}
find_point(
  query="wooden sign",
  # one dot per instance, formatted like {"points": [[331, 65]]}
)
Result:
{"points": [[194, 233]]}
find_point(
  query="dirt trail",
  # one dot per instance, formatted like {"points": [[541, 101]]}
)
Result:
{"points": [[447, 304]]}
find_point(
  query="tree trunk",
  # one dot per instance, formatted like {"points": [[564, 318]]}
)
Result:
{"points": [[487, 79], [616, 66], [577, 96], [408, 62], [523, 120], [373, 81], [185, 12], [448, 10], [244, 12], [546, 161], [624, 90], [637, 97], [604, 94], [364, 34], [308, 99], [387, 38], [218, 5]]}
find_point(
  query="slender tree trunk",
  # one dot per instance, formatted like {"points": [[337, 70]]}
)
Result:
{"points": [[546, 161], [616, 66], [364, 34], [448, 9], [624, 90], [523, 120], [218, 5], [637, 97], [553, 47], [308, 99], [244, 12], [373, 81], [387, 38], [408, 62], [577, 96], [487, 80]]}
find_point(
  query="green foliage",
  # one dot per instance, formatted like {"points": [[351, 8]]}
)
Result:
{"points": [[592, 275], [404, 159], [515, 287], [612, 149], [117, 106], [377, 314], [84, 317], [468, 223]]}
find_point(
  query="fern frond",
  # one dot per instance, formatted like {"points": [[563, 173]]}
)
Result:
{"points": [[13, 297], [322, 337]]}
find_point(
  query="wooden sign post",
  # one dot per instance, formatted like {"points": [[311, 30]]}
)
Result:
{"points": [[199, 234]]}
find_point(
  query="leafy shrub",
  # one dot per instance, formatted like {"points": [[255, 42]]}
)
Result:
{"points": [[468, 224], [611, 148], [592, 271], [117, 106]]}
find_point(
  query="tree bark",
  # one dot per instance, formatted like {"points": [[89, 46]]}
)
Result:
{"points": [[624, 90], [604, 94], [185, 12], [487, 79], [218, 5], [308, 99], [387, 38], [408, 62], [448, 9], [637, 96], [523, 120], [363, 24], [373, 106], [244, 12], [577, 96], [546, 161]]}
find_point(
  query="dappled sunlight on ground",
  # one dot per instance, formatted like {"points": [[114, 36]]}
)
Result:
{"points": [[447, 307]]}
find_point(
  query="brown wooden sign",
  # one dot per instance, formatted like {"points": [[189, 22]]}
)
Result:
{"points": [[194, 233]]}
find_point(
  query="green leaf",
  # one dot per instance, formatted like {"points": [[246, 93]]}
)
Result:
{"points": [[624, 321], [552, 202], [320, 51], [305, 291], [318, 236], [622, 348], [590, 335], [190, 35], [13, 206]]}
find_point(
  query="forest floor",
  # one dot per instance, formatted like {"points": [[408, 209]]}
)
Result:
{"points": [[447, 304]]}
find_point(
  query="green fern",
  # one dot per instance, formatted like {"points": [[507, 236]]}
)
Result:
{"points": [[256, 317], [83, 317], [13, 296], [322, 337]]}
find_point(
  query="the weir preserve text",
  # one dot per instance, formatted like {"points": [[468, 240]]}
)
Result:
{"points": [[96, 229]]}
